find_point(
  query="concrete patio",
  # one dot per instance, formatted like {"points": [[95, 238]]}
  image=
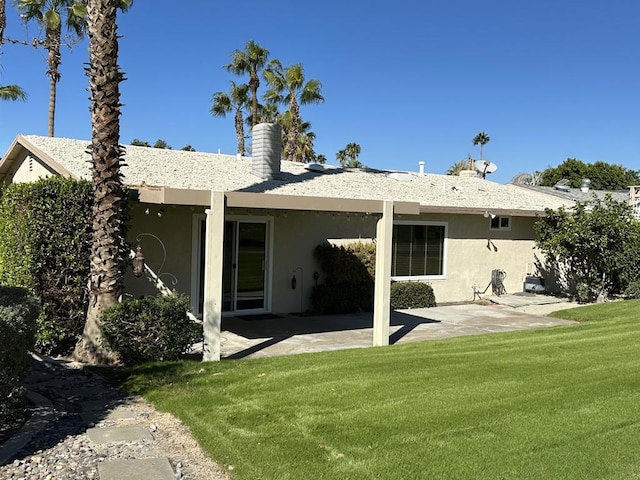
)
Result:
{"points": [[263, 336]]}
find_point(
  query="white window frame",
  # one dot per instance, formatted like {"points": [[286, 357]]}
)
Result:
{"points": [[500, 227], [444, 252]]}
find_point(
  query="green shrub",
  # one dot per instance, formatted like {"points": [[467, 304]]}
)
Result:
{"points": [[18, 313], [150, 329], [633, 290], [334, 298], [349, 278], [412, 295], [45, 240]]}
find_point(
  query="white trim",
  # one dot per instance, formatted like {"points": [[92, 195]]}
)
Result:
{"points": [[196, 233], [405, 278]]}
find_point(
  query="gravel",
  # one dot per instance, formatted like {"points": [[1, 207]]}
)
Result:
{"points": [[63, 450]]}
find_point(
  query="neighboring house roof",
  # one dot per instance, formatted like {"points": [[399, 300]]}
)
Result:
{"points": [[577, 195], [176, 169]]}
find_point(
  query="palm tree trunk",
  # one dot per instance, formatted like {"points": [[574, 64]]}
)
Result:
{"points": [[53, 61], [105, 278], [254, 83], [292, 137], [239, 121]]}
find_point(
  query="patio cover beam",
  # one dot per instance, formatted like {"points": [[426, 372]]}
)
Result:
{"points": [[178, 196]]}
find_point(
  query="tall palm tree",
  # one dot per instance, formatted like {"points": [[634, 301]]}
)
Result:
{"points": [[288, 87], [251, 60], [107, 252], [236, 100], [481, 139], [49, 14]]}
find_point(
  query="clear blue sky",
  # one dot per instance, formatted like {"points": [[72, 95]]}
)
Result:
{"points": [[408, 80]]}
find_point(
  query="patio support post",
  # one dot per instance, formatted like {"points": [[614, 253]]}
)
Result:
{"points": [[381, 302], [213, 259]]}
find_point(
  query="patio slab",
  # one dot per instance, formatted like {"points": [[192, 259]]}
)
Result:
{"points": [[293, 334], [127, 433]]}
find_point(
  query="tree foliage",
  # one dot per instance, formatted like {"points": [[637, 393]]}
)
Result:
{"points": [[481, 139], [594, 249], [348, 156], [603, 176]]}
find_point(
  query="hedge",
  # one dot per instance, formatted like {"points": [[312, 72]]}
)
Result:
{"points": [[45, 237], [18, 313]]}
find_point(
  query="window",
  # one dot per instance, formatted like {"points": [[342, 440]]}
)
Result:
{"points": [[418, 250], [500, 223]]}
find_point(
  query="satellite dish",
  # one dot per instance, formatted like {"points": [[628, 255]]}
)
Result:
{"points": [[485, 166]]}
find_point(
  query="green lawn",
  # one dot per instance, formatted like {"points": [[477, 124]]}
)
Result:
{"points": [[557, 403]]}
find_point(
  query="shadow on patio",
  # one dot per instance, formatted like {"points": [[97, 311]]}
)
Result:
{"points": [[311, 333]]}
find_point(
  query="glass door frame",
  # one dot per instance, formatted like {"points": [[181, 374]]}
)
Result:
{"points": [[197, 261]]}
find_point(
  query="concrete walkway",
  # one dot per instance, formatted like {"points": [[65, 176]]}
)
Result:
{"points": [[290, 334]]}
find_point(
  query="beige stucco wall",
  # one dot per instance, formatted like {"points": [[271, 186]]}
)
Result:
{"points": [[174, 229], [29, 169], [473, 250], [295, 237]]}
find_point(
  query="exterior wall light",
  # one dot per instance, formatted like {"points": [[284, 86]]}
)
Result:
{"points": [[138, 262]]}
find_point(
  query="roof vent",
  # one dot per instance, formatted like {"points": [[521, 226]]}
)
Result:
{"points": [[562, 185], [267, 150], [584, 188], [400, 176], [314, 167]]}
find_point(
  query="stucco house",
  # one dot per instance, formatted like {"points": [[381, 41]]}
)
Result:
{"points": [[232, 232]]}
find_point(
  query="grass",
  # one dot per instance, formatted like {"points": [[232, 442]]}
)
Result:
{"points": [[558, 403]]}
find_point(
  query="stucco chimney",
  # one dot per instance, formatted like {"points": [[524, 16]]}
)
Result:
{"points": [[266, 148]]}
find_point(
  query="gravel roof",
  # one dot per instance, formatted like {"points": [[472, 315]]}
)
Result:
{"points": [[577, 195], [207, 171]]}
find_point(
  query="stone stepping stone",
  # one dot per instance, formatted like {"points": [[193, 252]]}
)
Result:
{"points": [[141, 469], [127, 433]]}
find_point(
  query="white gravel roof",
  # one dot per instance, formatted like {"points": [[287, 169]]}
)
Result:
{"points": [[207, 171]]}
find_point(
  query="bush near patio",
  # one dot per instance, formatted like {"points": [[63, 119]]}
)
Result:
{"points": [[411, 295], [594, 249], [44, 247], [349, 278], [150, 328], [18, 313]]}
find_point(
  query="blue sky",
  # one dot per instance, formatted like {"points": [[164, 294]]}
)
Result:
{"points": [[408, 80]]}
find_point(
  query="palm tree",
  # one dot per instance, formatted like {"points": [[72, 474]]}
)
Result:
{"points": [[481, 139], [251, 60], [49, 15], [107, 252], [288, 87], [12, 92], [457, 167], [237, 99], [348, 156]]}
